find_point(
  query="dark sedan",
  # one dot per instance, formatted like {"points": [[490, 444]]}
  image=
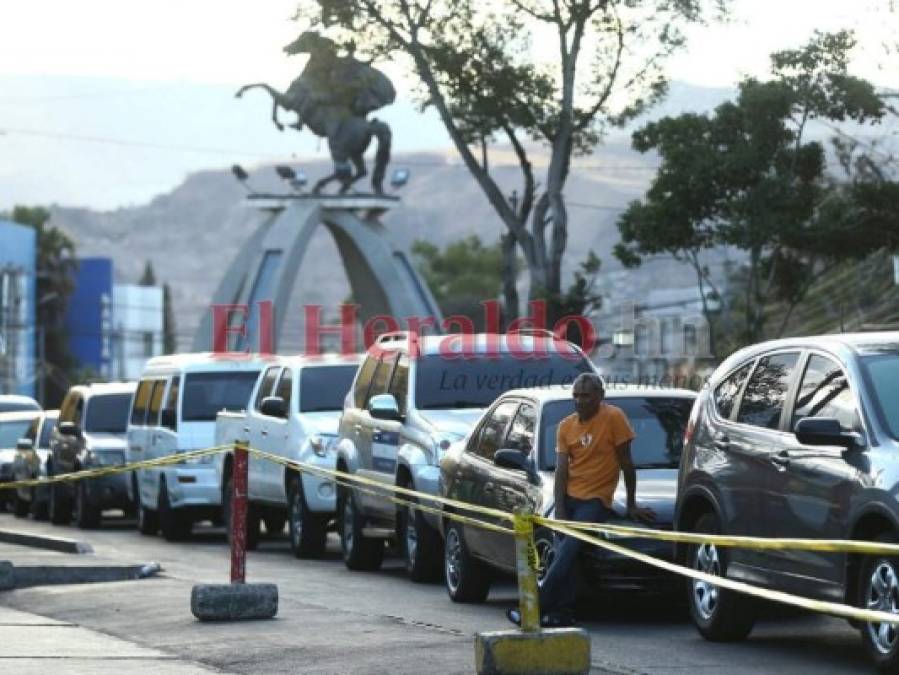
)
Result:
{"points": [[525, 421]]}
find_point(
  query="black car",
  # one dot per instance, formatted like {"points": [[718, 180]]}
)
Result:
{"points": [[797, 438], [525, 420]]}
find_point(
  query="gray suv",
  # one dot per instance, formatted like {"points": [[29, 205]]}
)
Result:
{"points": [[796, 438], [410, 400]]}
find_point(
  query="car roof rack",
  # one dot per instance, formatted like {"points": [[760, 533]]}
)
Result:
{"points": [[534, 332], [396, 336]]}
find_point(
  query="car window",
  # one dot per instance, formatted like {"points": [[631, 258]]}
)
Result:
{"points": [[207, 394], [493, 430], [108, 413], [521, 432], [399, 383], [171, 403], [882, 374], [381, 378], [285, 386], [141, 399], [727, 392], [155, 403], [31, 434], [265, 387], [325, 387], [67, 409], [825, 392], [46, 431], [11, 431], [766, 391], [363, 381]]}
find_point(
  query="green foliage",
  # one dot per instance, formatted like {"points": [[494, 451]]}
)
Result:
{"points": [[148, 278], [745, 177], [169, 333]]}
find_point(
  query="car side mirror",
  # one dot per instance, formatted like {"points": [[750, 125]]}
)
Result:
{"points": [[825, 431], [273, 406], [69, 429], [384, 407], [168, 419], [515, 460], [24, 444]]}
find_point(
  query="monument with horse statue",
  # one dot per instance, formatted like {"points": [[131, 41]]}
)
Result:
{"points": [[333, 97]]}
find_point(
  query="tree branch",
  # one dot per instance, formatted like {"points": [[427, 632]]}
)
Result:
{"points": [[527, 201], [613, 76]]}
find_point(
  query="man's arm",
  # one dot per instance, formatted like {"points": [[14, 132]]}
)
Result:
{"points": [[561, 485], [630, 484]]}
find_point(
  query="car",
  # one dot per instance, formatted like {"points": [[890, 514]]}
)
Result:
{"points": [[508, 462], [796, 438], [13, 426], [292, 412], [174, 411], [17, 403], [30, 463], [90, 433], [412, 397]]}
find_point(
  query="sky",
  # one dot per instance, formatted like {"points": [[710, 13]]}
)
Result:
{"points": [[105, 103]]}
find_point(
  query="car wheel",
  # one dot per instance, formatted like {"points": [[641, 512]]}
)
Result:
{"points": [[39, 507], [467, 579], [308, 531], [879, 590], [147, 518], [720, 615], [87, 516], [60, 510], [253, 520], [359, 552], [420, 544], [173, 524], [546, 552], [22, 507], [274, 524]]}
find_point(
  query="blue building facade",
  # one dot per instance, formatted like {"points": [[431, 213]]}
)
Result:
{"points": [[89, 316], [18, 287]]}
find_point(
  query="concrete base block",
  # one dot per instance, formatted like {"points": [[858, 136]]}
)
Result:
{"points": [[234, 602], [7, 576], [555, 650]]}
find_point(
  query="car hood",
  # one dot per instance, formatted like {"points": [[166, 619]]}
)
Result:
{"points": [[104, 441], [656, 489], [452, 421], [324, 422]]}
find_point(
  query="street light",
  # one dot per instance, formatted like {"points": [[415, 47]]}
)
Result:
{"points": [[295, 177]]}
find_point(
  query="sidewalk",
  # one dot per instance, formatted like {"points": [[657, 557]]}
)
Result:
{"points": [[33, 644]]}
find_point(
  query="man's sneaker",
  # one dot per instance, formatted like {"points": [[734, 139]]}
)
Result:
{"points": [[557, 621], [514, 615]]}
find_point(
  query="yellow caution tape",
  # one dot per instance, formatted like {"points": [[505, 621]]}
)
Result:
{"points": [[833, 608]]}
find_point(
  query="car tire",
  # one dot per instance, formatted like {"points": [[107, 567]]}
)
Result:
{"points": [[360, 553], [147, 518], [308, 530], [420, 543], [545, 544], [87, 515], [253, 520], [60, 509], [878, 585], [719, 615], [173, 524], [467, 579], [21, 507], [274, 524], [39, 507]]}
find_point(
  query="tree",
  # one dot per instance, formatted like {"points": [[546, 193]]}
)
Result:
{"points": [[56, 267], [462, 275], [475, 66], [746, 177], [169, 336], [148, 278]]}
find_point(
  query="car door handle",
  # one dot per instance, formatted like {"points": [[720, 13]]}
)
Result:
{"points": [[488, 488], [264, 432], [721, 442], [246, 430], [781, 459]]}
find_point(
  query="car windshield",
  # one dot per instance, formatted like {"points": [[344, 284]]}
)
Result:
{"points": [[658, 421], [476, 382], [46, 431], [108, 413], [207, 394], [11, 431], [323, 388], [882, 372]]}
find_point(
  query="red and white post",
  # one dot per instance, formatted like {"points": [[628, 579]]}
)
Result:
{"points": [[238, 524]]}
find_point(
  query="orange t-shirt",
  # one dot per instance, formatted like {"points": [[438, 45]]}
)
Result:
{"points": [[593, 467]]}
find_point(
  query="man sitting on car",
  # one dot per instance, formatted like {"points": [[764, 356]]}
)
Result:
{"points": [[593, 447]]}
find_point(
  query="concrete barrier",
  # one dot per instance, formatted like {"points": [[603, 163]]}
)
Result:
{"points": [[512, 652]]}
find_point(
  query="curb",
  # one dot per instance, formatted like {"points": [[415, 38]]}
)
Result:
{"points": [[28, 576], [48, 543]]}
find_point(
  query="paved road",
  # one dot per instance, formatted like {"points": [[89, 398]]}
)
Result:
{"points": [[332, 620]]}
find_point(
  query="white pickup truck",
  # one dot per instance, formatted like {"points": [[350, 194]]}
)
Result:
{"points": [[293, 412]]}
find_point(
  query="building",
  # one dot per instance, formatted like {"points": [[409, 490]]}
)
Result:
{"points": [[18, 287], [113, 328]]}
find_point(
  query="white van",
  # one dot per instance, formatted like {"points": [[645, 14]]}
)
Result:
{"points": [[174, 411]]}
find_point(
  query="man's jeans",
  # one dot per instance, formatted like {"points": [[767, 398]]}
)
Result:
{"points": [[558, 592]]}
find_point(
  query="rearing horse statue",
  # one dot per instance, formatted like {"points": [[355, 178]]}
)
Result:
{"points": [[333, 97]]}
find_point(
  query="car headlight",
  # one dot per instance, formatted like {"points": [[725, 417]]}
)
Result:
{"points": [[321, 444]]}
